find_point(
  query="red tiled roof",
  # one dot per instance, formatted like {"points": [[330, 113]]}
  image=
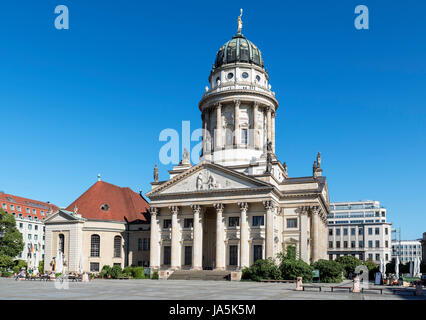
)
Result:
{"points": [[123, 203], [24, 203]]}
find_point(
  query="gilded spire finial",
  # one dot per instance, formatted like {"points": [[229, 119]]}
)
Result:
{"points": [[240, 22]]}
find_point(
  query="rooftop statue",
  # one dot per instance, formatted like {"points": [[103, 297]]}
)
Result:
{"points": [[240, 22]]}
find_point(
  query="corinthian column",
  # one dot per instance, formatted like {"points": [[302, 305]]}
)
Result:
{"points": [[304, 225], [315, 233], [244, 236], [237, 138], [269, 124], [273, 132], [197, 261], [269, 231], [255, 125], [154, 255], [218, 126], [220, 239], [175, 238]]}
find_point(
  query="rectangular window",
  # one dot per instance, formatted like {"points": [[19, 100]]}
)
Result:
{"points": [[233, 255], [34, 211], [330, 257], [386, 231], [352, 244], [4, 205], [29, 236], [258, 221], [21, 225], [345, 232], [330, 244], [337, 244], [167, 255], [36, 227], [12, 207], [377, 231], [353, 231], [345, 244], [35, 237], [377, 256], [18, 208], [387, 244], [292, 223], [370, 244], [30, 227], [257, 252], [387, 257], [360, 231], [370, 256], [370, 231], [188, 255], [94, 266], [27, 210], [234, 221], [188, 223], [167, 223], [146, 244], [361, 244], [337, 232], [244, 136], [377, 243], [330, 232]]}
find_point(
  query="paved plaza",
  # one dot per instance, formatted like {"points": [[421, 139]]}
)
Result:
{"points": [[178, 289]]}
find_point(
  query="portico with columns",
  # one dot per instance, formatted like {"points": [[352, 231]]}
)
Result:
{"points": [[238, 204]]}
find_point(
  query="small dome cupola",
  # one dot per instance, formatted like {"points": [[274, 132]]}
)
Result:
{"points": [[238, 49]]}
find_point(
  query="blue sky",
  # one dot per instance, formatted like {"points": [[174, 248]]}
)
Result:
{"points": [[94, 98]]}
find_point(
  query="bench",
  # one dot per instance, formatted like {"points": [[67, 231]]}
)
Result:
{"points": [[312, 287], [341, 287], [367, 289], [394, 291], [283, 281]]}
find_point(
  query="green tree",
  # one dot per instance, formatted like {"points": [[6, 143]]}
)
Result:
{"points": [[116, 272], [6, 262], [349, 263], [372, 268], [41, 266], [330, 270], [11, 243]]}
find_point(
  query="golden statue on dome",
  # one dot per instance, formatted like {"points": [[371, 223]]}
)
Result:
{"points": [[240, 22]]}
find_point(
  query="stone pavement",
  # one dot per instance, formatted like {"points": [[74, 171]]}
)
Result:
{"points": [[178, 289]]}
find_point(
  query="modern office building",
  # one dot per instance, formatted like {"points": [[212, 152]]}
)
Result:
{"points": [[359, 229], [407, 250], [29, 215]]}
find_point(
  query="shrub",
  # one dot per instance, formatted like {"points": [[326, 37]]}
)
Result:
{"points": [[116, 272], [106, 270], [330, 270], [16, 269], [6, 274], [20, 263], [128, 271], [262, 269], [349, 263], [291, 269], [155, 275], [138, 273]]}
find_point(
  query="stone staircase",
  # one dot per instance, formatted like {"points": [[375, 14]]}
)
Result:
{"points": [[200, 275]]}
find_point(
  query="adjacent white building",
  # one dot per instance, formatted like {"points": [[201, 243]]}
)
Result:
{"points": [[360, 229], [407, 250]]}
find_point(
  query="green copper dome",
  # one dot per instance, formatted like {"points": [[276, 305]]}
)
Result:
{"points": [[239, 49]]}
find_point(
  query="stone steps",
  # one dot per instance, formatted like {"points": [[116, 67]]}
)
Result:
{"points": [[200, 275]]}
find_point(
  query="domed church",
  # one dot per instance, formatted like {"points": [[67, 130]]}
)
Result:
{"points": [[238, 204]]}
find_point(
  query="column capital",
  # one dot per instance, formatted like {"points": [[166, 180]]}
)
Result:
{"points": [[315, 210], [237, 102], [269, 204], [243, 206], [174, 209], [153, 211], [219, 206], [256, 104], [218, 105], [196, 208], [303, 209]]}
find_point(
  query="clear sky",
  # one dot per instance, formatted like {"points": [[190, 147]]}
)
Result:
{"points": [[94, 98]]}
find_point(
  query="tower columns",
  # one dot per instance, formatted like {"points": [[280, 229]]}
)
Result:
{"points": [[218, 137], [237, 133], [269, 123], [273, 132], [256, 126]]}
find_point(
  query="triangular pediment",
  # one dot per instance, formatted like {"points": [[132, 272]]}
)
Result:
{"points": [[208, 177], [63, 216]]}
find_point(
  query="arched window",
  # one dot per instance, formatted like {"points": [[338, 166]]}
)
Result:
{"points": [[95, 244], [62, 243], [117, 247]]}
